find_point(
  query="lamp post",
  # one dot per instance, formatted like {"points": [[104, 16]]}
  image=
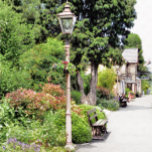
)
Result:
{"points": [[67, 21]]}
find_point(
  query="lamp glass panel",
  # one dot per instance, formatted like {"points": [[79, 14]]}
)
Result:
{"points": [[67, 24]]}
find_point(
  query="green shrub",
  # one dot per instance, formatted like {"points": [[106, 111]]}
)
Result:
{"points": [[9, 119], [6, 113], [44, 132], [86, 81], [102, 93], [109, 104], [6, 120], [127, 91], [41, 62], [81, 131], [58, 149], [16, 146], [27, 134], [85, 108], [12, 79], [36, 103], [15, 35], [145, 85], [53, 131], [57, 76], [107, 78], [76, 96]]}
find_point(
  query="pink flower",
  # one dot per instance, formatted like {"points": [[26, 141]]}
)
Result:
{"points": [[65, 62]]}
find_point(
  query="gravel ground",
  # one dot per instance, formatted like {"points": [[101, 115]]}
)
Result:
{"points": [[130, 129]]}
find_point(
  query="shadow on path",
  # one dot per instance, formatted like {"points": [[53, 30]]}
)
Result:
{"points": [[135, 108], [90, 145]]}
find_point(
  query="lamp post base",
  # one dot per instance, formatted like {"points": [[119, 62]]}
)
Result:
{"points": [[70, 147]]}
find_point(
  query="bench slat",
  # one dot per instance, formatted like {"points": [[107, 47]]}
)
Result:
{"points": [[100, 122], [94, 116], [99, 127]]}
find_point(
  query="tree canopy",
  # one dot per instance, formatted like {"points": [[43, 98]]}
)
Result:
{"points": [[107, 78], [39, 62], [41, 15], [15, 35], [134, 41], [100, 26]]}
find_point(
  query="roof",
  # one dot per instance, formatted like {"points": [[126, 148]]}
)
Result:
{"points": [[130, 55]]}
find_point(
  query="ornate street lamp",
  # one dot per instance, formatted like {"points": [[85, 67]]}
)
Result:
{"points": [[67, 21]]}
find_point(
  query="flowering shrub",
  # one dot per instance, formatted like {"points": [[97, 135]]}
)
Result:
{"points": [[76, 109], [103, 92], [57, 92], [14, 145], [51, 97], [52, 89], [20, 97]]}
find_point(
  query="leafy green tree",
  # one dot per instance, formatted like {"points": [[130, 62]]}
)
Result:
{"points": [[41, 15], [15, 35], [100, 26], [12, 78], [145, 85], [41, 61], [134, 41], [107, 78]]}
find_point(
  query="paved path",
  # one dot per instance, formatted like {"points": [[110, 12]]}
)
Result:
{"points": [[131, 129]]}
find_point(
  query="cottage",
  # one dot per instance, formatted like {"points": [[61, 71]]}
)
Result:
{"points": [[128, 72]]}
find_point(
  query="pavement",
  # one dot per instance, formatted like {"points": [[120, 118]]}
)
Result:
{"points": [[130, 129]]}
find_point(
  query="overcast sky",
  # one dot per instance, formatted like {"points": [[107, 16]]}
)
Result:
{"points": [[143, 26]]}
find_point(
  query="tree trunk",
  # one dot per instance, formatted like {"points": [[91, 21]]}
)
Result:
{"points": [[91, 97], [81, 87], [93, 83]]}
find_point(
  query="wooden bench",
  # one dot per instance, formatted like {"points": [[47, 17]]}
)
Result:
{"points": [[98, 125]]}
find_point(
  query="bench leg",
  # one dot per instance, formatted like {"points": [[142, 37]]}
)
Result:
{"points": [[96, 131], [103, 129]]}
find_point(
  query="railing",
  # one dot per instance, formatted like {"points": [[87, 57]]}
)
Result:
{"points": [[126, 77]]}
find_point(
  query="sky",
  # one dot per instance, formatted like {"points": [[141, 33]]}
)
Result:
{"points": [[143, 27]]}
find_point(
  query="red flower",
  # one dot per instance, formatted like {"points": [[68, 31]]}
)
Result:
{"points": [[65, 62]]}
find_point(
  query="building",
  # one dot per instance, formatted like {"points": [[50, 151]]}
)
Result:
{"points": [[127, 75]]}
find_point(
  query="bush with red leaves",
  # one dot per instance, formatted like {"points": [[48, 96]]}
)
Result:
{"points": [[51, 98], [103, 92]]}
